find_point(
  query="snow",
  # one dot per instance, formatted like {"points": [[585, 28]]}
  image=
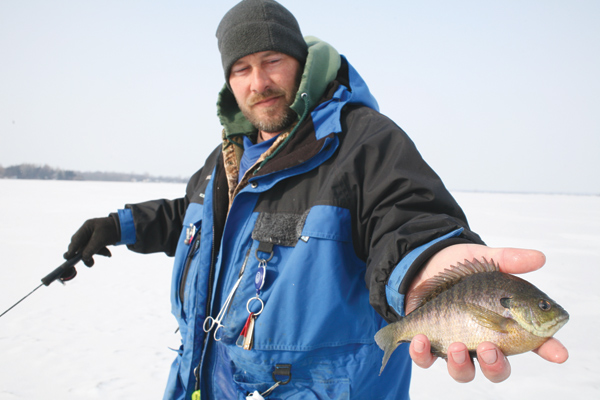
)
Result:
{"points": [[108, 333]]}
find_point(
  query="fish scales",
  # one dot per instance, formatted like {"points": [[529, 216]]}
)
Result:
{"points": [[472, 303]]}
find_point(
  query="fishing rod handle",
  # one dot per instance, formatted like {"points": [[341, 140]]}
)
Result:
{"points": [[58, 272]]}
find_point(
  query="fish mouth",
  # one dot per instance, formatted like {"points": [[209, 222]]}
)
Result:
{"points": [[549, 328]]}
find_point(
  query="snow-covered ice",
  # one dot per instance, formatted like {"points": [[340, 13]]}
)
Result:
{"points": [[107, 334]]}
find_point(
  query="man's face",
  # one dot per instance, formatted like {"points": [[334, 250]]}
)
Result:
{"points": [[264, 85]]}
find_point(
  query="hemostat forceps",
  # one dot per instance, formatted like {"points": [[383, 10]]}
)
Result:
{"points": [[210, 322]]}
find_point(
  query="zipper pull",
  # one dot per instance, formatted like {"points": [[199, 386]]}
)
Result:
{"points": [[189, 234]]}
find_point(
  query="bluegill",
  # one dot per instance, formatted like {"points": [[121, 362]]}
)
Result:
{"points": [[472, 303]]}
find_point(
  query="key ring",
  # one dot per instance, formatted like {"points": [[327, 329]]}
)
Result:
{"points": [[246, 338], [262, 305], [262, 259]]}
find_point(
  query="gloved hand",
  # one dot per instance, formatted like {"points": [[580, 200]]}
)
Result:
{"points": [[93, 237]]}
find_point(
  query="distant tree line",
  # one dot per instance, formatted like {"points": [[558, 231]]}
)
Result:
{"points": [[33, 171]]}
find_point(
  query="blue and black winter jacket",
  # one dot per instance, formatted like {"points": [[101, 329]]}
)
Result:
{"points": [[344, 209]]}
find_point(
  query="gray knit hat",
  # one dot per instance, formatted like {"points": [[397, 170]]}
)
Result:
{"points": [[252, 26]]}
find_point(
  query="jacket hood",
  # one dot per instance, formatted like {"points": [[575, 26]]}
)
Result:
{"points": [[321, 67]]}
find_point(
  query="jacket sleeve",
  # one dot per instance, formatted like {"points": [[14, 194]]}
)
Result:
{"points": [[405, 213], [155, 226]]}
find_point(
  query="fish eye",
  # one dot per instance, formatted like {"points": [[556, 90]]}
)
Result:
{"points": [[544, 305], [505, 302]]}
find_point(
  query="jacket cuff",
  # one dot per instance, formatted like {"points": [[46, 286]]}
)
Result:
{"points": [[127, 226], [411, 264]]}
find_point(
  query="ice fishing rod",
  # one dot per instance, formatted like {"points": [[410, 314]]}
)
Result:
{"points": [[51, 277]]}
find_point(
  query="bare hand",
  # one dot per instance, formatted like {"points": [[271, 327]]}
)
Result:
{"points": [[493, 363]]}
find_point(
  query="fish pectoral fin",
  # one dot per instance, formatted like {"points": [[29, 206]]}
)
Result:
{"points": [[488, 319]]}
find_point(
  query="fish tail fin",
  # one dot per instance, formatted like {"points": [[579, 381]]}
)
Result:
{"points": [[388, 339]]}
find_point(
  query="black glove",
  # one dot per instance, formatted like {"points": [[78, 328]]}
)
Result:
{"points": [[93, 237]]}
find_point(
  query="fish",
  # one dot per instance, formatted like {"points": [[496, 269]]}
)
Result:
{"points": [[473, 302]]}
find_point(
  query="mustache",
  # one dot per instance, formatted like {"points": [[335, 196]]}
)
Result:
{"points": [[269, 93]]}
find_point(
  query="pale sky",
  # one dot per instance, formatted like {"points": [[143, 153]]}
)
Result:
{"points": [[497, 95]]}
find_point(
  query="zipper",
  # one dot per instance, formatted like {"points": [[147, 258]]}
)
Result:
{"points": [[211, 274], [209, 290], [211, 278], [245, 262], [188, 262]]}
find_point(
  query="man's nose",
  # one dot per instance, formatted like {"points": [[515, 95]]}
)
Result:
{"points": [[260, 80]]}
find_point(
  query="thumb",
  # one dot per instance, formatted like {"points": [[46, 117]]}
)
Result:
{"points": [[104, 252], [511, 260], [518, 261]]}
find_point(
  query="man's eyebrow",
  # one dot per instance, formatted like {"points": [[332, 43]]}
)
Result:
{"points": [[269, 53], [238, 62]]}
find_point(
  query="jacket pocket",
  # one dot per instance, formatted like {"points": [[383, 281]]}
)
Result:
{"points": [[193, 237], [338, 389], [314, 288], [185, 263]]}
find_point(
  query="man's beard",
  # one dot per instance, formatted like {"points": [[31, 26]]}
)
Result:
{"points": [[274, 120]]}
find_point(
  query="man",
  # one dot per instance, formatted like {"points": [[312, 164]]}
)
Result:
{"points": [[302, 233]]}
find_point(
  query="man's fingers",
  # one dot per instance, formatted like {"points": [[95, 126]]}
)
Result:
{"points": [[92, 238], [494, 365], [460, 365], [420, 351], [553, 351], [79, 240], [104, 252]]}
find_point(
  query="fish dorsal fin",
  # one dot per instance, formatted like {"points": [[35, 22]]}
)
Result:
{"points": [[443, 281]]}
